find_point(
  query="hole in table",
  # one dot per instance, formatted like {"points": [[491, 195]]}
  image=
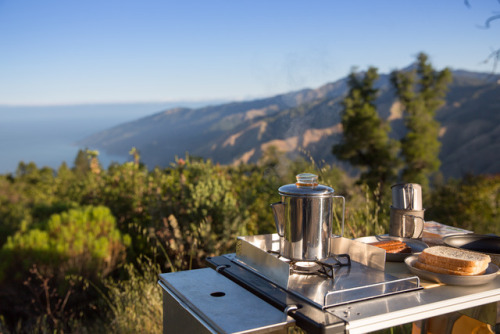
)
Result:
{"points": [[218, 294]]}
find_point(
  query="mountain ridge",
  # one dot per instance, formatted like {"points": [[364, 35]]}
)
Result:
{"points": [[309, 120]]}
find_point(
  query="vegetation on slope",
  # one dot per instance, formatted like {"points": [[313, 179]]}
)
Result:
{"points": [[81, 247]]}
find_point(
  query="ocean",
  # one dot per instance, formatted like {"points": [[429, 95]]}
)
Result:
{"points": [[49, 135]]}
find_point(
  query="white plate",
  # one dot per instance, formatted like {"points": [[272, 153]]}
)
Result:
{"points": [[416, 246], [489, 275]]}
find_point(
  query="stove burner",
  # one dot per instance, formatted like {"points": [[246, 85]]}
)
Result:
{"points": [[313, 268], [305, 267], [316, 267]]}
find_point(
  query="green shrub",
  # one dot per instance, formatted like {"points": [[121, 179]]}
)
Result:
{"points": [[83, 241], [200, 213], [472, 203]]}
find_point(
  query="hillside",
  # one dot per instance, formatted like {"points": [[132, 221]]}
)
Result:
{"points": [[308, 121]]}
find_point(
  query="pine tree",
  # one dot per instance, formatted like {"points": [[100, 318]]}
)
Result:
{"points": [[81, 163], [422, 92], [366, 143]]}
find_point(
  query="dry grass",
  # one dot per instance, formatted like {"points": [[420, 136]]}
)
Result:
{"points": [[135, 303]]}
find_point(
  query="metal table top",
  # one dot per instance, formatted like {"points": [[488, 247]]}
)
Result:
{"points": [[221, 306], [378, 313], [435, 299]]}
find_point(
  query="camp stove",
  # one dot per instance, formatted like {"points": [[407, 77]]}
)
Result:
{"points": [[353, 271]]}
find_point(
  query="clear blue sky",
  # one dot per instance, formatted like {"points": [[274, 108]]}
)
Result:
{"points": [[94, 51]]}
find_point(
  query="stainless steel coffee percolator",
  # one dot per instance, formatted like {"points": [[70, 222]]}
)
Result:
{"points": [[304, 219]]}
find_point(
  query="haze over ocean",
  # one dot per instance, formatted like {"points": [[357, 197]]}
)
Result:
{"points": [[48, 135]]}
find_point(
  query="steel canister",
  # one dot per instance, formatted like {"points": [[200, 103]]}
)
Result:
{"points": [[304, 219], [407, 196]]}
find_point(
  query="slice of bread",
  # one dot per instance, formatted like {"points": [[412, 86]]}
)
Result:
{"points": [[392, 246], [440, 270], [454, 260]]}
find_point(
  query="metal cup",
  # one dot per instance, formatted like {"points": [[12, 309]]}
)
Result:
{"points": [[406, 223], [407, 196]]}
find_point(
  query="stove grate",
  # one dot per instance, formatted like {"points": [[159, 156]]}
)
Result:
{"points": [[316, 267]]}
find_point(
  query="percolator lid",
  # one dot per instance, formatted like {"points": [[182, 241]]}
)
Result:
{"points": [[306, 185]]}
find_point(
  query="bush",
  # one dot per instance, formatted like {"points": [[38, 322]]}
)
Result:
{"points": [[201, 214], [36, 261], [472, 203], [83, 241]]}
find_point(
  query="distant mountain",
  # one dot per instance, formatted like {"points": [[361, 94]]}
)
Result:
{"points": [[309, 121], [47, 134]]}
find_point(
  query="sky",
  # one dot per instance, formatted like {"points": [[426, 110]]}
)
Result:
{"points": [[57, 52]]}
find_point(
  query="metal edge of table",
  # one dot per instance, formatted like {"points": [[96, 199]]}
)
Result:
{"points": [[170, 297], [400, 309]]}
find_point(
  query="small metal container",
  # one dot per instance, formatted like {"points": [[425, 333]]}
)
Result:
{"points": [[407, 196], [304, 219], [406, 223]]}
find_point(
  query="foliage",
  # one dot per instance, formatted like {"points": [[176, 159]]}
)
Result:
{"points": [[30, 187], [421, 91], [36, 260], [364, 216], [471, 203], [135, 303], [365, 142], [198, 212], [84, 241], [80, 222]]}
